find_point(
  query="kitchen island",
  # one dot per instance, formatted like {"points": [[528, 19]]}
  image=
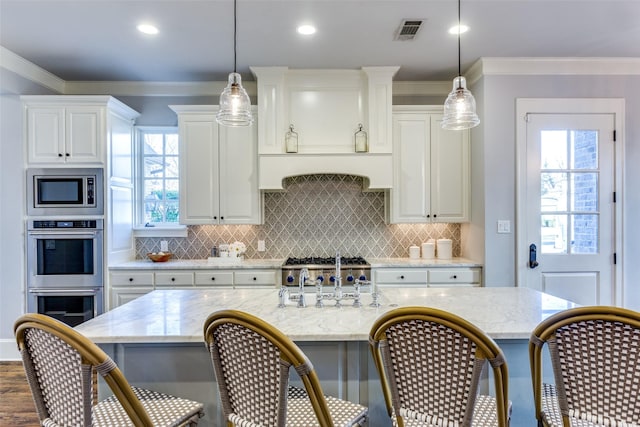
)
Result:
{"points": [[157, 339]]}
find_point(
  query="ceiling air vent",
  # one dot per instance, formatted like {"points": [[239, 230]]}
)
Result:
{"points": [[408, 29]]}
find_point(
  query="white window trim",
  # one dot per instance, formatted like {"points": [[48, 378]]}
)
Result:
{"points": [[159, 229]]}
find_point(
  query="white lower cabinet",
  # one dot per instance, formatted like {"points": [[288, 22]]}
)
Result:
{"points": [[432, 277], [127, 285]]}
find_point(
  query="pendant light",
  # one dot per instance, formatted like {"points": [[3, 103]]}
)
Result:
{"points": [[460, 106], [235, 106]]}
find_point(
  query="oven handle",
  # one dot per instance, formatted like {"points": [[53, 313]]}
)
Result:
{"points": [[91, 291], [56, 234]]}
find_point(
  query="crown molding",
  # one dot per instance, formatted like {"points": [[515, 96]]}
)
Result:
{"points": [[555, 66], [30, 71], [487, 66]]}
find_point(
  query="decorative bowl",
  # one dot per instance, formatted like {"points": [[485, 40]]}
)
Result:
{"points": [[159, 256]]}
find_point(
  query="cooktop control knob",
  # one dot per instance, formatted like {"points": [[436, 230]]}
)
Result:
{"points": [[362, 277], [332, 279], [320, 278], [290, 279], [350, 278]]}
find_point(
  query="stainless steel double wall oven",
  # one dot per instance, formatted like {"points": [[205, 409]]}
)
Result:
{"points": [[65, 267]]}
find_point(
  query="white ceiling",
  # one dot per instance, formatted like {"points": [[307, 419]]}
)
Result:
{"points": [[97, 40]]}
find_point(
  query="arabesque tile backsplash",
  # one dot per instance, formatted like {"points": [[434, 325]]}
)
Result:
{"points": [[315, 216]]}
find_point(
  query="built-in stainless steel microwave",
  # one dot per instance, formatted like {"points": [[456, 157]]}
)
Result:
{"points": [[64, 192]]}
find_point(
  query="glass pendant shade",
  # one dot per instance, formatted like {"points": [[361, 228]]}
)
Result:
{"points": [[460, 107], [235, 106]]}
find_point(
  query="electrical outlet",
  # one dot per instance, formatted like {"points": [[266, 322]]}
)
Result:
{"points": [[261, 247], [504, 226], [164, 246]]}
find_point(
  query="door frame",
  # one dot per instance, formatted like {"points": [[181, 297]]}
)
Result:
{"points": [[524, 106]]}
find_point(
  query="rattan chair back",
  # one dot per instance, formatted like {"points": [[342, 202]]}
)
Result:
{"points": [[58, 362], [430, 362], [595, 357], [251, 360]]}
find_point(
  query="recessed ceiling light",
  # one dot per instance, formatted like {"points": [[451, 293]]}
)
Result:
{"points": [[306, 29], [147, 29], [455, 29]]}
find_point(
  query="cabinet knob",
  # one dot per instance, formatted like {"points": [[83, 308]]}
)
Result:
{"points": [[428, 216], [59, 154], [434, 215], [173, 279], [67, 154], [402, 277], [455, 277], [215, 217], [213, 279], [131, 279], [221, 217], [255, 278]]}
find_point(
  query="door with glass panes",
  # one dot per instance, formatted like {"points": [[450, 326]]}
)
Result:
{"points": [[570, 206]]}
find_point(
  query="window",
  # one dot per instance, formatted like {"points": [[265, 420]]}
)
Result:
{"points": [[159, 179]]}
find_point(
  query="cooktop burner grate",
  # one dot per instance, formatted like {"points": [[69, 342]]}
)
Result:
{"points": [[358, 260]]}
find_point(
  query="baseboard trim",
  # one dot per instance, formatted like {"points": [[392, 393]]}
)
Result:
{"points": [[9, 350]]}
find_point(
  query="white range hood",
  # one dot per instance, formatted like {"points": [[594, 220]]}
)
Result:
{"points": [[325, 108], [375, 168]]}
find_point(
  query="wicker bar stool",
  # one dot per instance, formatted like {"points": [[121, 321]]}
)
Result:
{"points": [[59, 363], [251, 360], [430, 363], [595, 357]]}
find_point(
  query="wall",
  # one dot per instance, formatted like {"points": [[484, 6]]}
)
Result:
{"points": [[495, 137], [315, 216], [12, 288]]}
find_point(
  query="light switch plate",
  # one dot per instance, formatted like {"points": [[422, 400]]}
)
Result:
{"points": [[164, 246], [261, 247], [504, 226]]}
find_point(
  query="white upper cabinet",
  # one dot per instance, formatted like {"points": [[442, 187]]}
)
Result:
{"points": [[218, 170], [431, 168], [69, 130]]}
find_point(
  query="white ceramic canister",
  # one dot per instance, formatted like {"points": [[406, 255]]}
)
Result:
{"points": [[414, 252], [444, 248], [429, 250]]}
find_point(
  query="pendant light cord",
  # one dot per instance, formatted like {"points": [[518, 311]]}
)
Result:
{"points": [[235, 33], [459, 31]]}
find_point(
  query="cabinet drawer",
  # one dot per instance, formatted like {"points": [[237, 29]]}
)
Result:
{"points": [[454, 276], [255, 278], [130, 278], [402, 276], [214, 278], [174, 279]]}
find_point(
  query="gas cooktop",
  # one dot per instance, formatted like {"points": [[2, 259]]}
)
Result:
{"points": [[307, 261]]}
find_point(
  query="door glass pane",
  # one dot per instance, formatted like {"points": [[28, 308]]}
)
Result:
{"points": [[553, 234], [585, 192], [553, 149], [553, 192], [584, 149], [584, 234]]}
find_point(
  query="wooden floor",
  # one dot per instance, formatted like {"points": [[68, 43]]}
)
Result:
{"points": [[16, 405]]}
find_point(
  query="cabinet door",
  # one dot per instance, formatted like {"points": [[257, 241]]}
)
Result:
{"points": [[199, 184], [120, 296], [84, 129], [240, 199], [449, 173], [411, 157], [45, 134]]}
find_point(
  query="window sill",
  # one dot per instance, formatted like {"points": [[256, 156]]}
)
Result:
{"points": [[172, 231]]}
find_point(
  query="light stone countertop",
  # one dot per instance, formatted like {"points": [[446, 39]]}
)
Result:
{"points": [[196, 264], [177, 316], [421, 262]]}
